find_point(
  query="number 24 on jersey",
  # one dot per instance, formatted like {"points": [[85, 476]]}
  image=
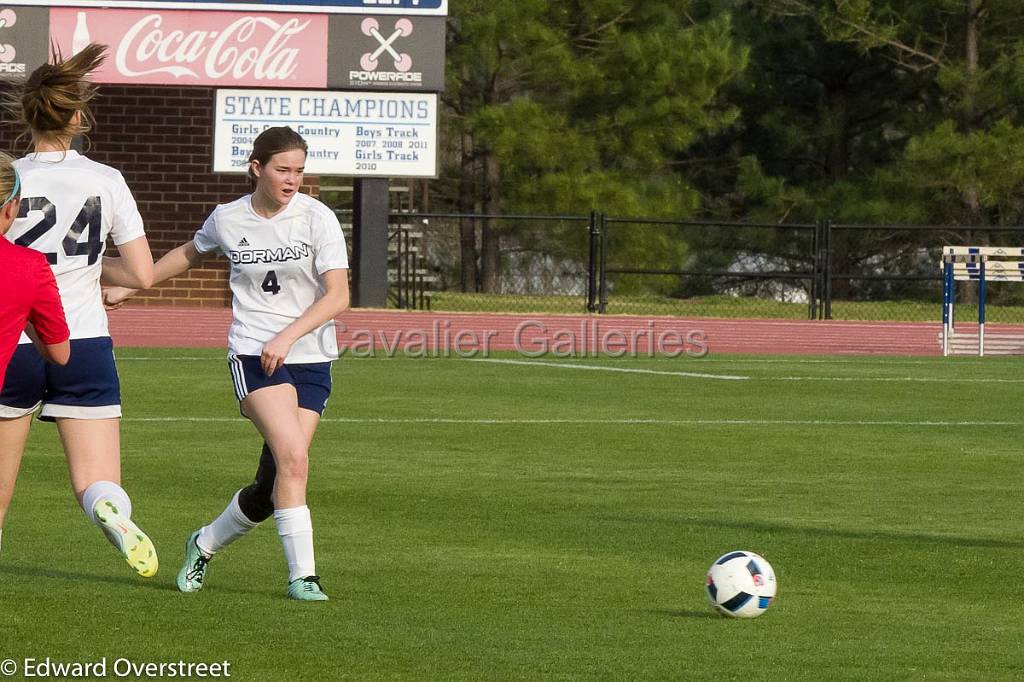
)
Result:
{"points": [[88, 219]]}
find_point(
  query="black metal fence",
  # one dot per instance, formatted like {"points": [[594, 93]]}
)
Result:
{"points": [[491, 263], [605, 264], [893, 272]]}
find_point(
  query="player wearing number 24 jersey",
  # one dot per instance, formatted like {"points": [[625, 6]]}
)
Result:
{"points": [[69, 206], [289, 279]]}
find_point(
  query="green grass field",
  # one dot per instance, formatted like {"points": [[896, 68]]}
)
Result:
{"points": [[491, 521]]}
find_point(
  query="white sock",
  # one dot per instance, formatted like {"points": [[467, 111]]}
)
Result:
{"points": [[295, 526], [105, 490], [225, 529]]}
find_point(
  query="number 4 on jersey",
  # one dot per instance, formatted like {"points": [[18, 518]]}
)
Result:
{"points": [[270, 284]]}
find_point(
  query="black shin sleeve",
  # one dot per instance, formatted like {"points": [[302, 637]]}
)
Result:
{"points": [[255, 500]]}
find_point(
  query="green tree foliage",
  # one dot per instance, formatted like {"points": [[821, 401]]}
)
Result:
{"points": [[867, 111], [564, 107], [776, 111], [947, 86]]}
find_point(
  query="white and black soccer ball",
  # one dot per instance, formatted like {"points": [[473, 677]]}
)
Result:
{"points": [[741, 584]]}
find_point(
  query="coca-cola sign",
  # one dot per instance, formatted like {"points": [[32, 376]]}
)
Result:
{"points": [[201, 47], [417, 7]]}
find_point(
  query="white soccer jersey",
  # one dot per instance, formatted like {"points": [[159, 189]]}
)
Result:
{"points": [[69, 206], [276, 264]]}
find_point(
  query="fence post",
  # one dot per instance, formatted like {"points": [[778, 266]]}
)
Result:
{"points": [[814, 307], [827, 278], [399, 268], [602, 305], [410, 271], [592, 264]]}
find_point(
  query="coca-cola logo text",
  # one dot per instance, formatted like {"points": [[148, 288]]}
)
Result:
{"points": [[242, 49]]}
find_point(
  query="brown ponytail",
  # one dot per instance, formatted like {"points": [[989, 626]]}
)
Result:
{"points": [[49, 98]]}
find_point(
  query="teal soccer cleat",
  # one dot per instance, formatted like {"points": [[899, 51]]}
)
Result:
{"points": [[306, 589], [192, 573]]}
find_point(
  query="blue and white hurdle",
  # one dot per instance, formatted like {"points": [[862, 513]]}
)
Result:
{"points": [[979, 264]]}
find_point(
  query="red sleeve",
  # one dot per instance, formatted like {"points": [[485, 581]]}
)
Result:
{"points": [[47, 314]]}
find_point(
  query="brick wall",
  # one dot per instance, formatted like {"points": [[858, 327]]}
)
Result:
{"points": [[161, 139]]}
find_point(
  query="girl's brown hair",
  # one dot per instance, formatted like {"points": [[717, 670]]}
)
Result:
{"points": [[48, 99], [274, 141]]}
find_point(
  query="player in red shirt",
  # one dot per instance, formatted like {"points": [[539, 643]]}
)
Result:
{"points": [[31, 302], [32, 296]]}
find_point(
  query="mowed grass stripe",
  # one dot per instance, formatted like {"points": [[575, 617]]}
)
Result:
{"points": [[958, 377], [594, 422], [461, 550]]}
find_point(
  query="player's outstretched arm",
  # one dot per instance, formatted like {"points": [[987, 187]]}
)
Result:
{"points": [[134, 268], [175, 262], [334, 302]]}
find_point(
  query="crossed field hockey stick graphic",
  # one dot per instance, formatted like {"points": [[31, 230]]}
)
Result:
{"points": [[7, 19], [370, 27]]}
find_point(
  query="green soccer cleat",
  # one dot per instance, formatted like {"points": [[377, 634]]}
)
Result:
{"points": [[306, 589], [134, 545], [192, 573]]}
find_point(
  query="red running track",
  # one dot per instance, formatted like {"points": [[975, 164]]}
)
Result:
{"points": [[446, 334]]}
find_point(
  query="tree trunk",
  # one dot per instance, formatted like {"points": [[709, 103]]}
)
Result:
{"points": [[490, 239], [972, 202], [467, 228]]}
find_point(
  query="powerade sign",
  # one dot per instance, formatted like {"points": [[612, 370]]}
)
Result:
{"points": [[21, 50], [407, 7], [386, 52]]}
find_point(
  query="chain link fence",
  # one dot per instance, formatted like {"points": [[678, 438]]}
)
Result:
{"points": [[483, 263], [707, 269], [596, 263], [894, 273]]}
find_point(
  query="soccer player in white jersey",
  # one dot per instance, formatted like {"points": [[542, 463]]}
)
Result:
{"points": [[70, 205], [289, 279]]}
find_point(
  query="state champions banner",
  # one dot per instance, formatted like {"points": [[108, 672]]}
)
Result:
{"points": [[405, 7], [362, 134]]}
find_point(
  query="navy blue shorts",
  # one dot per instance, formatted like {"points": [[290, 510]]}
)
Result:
{"points": [[85, 388], [312, 381]]}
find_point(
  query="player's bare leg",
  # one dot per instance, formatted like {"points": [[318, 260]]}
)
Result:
{"points": [[13, 434], [93, 448], [275, 412], [247, 509]]}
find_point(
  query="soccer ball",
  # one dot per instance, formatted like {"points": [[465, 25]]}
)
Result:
{"points": [[741, 584]]}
